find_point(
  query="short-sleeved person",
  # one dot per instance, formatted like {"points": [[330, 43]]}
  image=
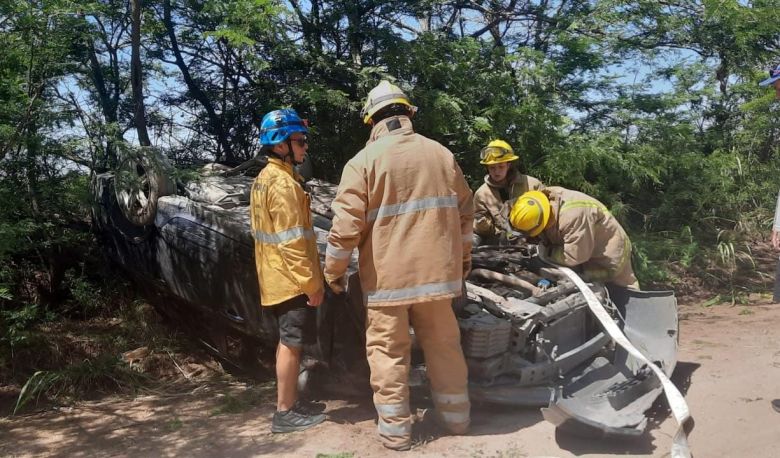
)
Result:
{"points": [[288, 265]]}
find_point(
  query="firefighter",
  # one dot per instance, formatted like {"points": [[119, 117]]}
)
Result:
{"points": [[502, 183], [288, 266], [576, 230], [404, 204]]}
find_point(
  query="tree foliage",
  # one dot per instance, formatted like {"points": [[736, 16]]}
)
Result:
{"points": [[652, 107]]}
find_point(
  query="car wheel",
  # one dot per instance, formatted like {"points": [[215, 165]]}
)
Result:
{"points": [[142, 177]]}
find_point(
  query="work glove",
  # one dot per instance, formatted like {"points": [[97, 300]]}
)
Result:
{"points": [[533, 250], [544, 253]]}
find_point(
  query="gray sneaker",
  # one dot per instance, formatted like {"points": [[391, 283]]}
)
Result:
{"points": [[293, 420], [308, 407]]}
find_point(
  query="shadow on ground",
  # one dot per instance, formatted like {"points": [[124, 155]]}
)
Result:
{"points": [[643, 444]]}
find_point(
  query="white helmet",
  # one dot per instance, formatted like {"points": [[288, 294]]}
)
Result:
{"points": [[382, 95]]}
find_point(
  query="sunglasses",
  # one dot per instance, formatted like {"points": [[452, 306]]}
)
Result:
{"points": [[494, 152]]}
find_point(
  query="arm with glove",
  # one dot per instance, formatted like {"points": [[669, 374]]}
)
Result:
{"points": [[466, 210], [349, 220], [483, 220]]}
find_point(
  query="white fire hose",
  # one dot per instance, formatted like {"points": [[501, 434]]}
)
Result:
{"points": [[680, 448]]}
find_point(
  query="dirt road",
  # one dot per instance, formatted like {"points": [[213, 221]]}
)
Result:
{"points": [[729, 367]]}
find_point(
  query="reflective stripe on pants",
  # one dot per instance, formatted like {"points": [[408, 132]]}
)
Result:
{"points": [[388, 347], [436, 328], [389, 428]]}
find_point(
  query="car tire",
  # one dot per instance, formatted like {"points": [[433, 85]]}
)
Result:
{"points": [[142, 177]]}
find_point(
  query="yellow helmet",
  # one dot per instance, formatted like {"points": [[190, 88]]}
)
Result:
{"points": [[382, 95], [496, 152], [530, 213]]}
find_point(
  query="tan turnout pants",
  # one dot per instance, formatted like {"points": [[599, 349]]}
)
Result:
{"points": [[388, 347]]}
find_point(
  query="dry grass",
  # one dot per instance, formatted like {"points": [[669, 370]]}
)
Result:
{"points": [[70, 360]]}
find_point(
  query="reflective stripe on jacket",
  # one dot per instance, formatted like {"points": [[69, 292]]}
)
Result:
{"points": [[584, 232], [285, 246], [404, 204], [490, 217]]}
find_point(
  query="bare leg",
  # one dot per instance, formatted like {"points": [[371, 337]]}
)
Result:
{"points": [[287, 364]]}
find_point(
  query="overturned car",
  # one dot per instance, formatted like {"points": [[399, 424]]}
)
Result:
{"points": [[190, 247]]}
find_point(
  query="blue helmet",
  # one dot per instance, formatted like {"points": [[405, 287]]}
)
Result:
{"points": [[278, 125]]}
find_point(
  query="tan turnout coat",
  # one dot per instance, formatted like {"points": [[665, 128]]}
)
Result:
{"points": [[582, 232], [489, 212], [404, 204]]}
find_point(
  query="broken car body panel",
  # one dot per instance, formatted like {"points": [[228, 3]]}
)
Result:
{"points": [[610, 397]]}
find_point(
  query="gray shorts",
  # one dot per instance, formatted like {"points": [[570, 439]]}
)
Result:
{"points": [[296, 321]]}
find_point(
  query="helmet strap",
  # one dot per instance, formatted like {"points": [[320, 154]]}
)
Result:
{"points": [[289, 157], [290, 153]]}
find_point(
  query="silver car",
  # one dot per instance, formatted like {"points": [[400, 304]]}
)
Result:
{"points": [[527, 333]]}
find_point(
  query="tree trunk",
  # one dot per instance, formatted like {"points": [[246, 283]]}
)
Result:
{"points": [[106, 85], [136, 75], [215, 121]]}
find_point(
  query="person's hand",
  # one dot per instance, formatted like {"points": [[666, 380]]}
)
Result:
{"points": [[315, 300], [338, 285], [544, 252], [775, 239]]}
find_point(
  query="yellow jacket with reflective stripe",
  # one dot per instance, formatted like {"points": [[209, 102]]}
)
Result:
{"points": [[583, 232], [285, 246], [404, 204], [490, 216]]}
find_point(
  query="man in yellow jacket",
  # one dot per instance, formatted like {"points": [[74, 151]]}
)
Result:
{"points": [[404, 204], [502, 183], [576, 230], [288, 265]]}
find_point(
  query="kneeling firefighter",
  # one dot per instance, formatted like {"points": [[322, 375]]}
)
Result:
{"points": [[576, 230]]}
